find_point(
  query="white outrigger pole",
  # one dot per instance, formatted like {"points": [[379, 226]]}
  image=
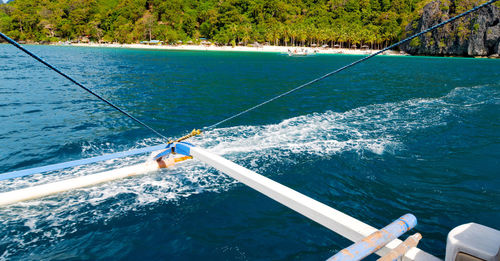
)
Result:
{"points": [[39, 191], [326, 216]]}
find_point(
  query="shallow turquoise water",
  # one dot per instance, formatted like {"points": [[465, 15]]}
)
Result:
{"points": [[387, 137]]}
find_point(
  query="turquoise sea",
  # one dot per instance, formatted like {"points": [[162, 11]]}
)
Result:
{"points": [[391, 136]]}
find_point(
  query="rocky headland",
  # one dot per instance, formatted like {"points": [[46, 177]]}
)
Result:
{"points": [[475, 35]]}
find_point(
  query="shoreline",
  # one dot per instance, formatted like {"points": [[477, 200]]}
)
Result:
{"points": [[265, 49]]}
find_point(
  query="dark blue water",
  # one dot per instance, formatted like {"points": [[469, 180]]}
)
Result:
{"points": [[390, 136]]}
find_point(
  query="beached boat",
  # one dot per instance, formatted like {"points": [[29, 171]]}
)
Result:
{"points": [[300, 52]]}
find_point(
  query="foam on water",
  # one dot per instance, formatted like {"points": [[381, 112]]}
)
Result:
{"points": [[377, 129]]}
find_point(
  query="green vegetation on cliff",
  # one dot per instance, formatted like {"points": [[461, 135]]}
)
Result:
{"points": [[281, 22]]}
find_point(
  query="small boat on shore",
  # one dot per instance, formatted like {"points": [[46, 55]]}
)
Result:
{"points": [[301, 52]]}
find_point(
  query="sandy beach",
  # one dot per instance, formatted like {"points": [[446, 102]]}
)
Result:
{"points": [[266, 48]]}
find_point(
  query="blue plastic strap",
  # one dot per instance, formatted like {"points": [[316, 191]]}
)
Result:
{"points": [[178, 147], [166, 152], [183, 148], [69, 164]]}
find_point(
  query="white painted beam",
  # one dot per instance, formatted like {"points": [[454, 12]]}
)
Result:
{"points": [[326, 216]]}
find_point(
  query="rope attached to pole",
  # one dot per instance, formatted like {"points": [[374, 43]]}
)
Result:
{"points": [[192, 134], [14, 43], [352, 64]]}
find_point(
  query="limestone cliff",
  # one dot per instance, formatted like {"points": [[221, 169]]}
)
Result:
{"points": [[474, 35]]}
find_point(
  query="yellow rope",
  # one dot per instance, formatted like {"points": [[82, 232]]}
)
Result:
{"points": [[192, 134]]}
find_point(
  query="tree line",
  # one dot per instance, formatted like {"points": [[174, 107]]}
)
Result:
{"points": [[375, 23]]}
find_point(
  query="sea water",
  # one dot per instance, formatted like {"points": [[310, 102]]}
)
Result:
{"points": [[390, 136]]}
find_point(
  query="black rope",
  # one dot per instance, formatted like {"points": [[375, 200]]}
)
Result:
{"points": [[351, 64], [80, 85]]}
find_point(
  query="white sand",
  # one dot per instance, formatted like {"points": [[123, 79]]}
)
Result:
{"points": [[267, 48]]}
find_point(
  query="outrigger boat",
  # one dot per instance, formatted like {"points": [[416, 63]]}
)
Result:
{"points": [[468, 242]]}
